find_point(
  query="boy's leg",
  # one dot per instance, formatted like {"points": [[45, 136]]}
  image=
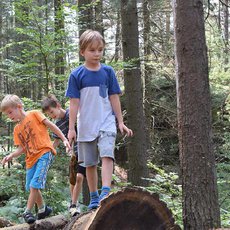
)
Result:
{"points": [[28, 216], [38, 182], [106, 171], [92, 179], [106, 144], [106, 175], [72, 175], [74, 208], [88, 153]]}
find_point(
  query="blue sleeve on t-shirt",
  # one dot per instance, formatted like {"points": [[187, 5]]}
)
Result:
{"points": [[73, 89], [114, 87]]}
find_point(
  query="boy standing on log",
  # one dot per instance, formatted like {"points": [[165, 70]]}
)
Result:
{"points": [[52, 107], [94, 95], [32, 138]]}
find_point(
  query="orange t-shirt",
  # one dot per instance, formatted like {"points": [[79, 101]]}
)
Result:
{"points": [[32, 135]]}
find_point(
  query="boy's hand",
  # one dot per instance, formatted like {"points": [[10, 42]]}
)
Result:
{"points": [[123, 128], [67, 146], [71, 136], [6, 159]]}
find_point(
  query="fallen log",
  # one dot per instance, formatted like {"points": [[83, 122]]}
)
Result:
{"points": [[129, 209], [5, 223], [52, 223]]}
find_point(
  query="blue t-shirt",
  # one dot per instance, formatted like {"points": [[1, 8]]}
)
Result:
{"points": [[93, 88]]}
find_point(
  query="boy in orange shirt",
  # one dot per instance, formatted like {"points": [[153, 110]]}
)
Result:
{"points": [[32, 138]]}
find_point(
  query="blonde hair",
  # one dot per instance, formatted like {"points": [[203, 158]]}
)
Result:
{"points": [[10, 100], [88, 37]]}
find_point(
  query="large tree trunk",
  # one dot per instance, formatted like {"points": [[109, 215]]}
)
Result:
{"points": [[130, 209], [133, 93], [200, 199]]}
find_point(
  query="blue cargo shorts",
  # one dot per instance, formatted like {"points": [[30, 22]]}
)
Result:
{"points": [[36, 176]]}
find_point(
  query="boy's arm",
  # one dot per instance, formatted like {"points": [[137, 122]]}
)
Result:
{"points": [[116, 106], [19, 151], [56, 143], [58, 132], [73, 109]]}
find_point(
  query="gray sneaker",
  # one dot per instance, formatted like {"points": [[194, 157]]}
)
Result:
{"points": [[74, 210]]}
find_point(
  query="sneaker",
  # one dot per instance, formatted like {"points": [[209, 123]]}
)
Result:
{"points": [[74, 210], [44, 214], [104, 193], [94, 200], [29, 217], [93, 205]]}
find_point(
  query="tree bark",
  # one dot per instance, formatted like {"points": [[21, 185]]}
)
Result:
{"points": [[199, 182], [147, 71], [130, 209], [133, 94], [226, 35], [59, 42]]}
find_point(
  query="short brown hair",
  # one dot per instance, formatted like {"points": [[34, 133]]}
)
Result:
{"points": [[10, 100], [88, 37], [49, 101]]}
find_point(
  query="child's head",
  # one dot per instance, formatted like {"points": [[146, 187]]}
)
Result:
{"points": [[12, 106], [89, 37], [51, 106]]}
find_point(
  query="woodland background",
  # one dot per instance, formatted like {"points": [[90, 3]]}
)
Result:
{"points": [[39, 48]]}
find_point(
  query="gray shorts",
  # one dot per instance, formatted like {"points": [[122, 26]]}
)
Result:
{"points": [[102, 146]]}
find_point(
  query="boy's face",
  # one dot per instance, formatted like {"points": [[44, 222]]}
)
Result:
{"points": [[14, 113], [54, 112], [93, 52]]}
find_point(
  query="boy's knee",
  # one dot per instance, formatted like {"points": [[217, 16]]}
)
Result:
{"points": [[80, 178]]}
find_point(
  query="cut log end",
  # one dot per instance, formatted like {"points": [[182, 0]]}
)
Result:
{"points": [[131, 208]]}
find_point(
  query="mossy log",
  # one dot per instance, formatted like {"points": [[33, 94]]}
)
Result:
{"points": [[129, 209]]}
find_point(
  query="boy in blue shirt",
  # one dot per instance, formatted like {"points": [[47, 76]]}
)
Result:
{"points": [[94, 96], [52, 107]]}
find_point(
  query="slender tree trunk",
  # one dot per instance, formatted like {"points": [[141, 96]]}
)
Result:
{"points": [[117, 37], [226, 35], [200, 198], [99, 17], [147, 71], [85, 19], [59, 42], [133, 93], [1, 55]]}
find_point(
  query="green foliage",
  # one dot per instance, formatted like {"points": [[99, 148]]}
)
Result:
{"points": [[13, 195], [169, 190]]}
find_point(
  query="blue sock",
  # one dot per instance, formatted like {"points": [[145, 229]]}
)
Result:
{"points": [[104, 192], [94, 200]]}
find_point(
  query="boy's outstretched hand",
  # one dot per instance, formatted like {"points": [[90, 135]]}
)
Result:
{"points": [[124, 129], [6, 159], [67, 145]]}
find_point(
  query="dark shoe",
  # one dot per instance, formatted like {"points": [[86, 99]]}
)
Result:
{"points": [[74, 210], [44, 214], [29, 217]]}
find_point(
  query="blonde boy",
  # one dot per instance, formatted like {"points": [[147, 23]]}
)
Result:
{"points": [[32, 138]]}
